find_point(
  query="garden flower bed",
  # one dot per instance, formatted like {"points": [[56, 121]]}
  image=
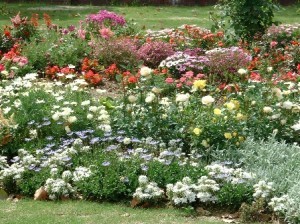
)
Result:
{"points": [[190, 119]]}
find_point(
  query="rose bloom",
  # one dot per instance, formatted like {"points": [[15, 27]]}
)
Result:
{"points": [[169, 80], [180, 97], [267, 110], [197, 131], [217, 111], [145, 71], [132, 98], [207, 100], [199, 84]]}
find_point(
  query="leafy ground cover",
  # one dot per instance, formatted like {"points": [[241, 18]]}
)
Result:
{"points": [[104, 111], [146, 17]]}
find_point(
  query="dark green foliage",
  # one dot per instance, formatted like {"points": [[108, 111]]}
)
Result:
{"points": [[248, 18]]}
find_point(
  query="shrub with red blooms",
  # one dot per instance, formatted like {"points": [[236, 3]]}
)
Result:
{"points": [[152, 53]]}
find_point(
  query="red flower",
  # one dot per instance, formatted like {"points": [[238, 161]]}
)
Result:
{"points": [[7, 33], [255, 76], [132, 79], [2, 68]]}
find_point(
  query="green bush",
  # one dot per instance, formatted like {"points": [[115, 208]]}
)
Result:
{"points": [[248, 18], [55, 49]]}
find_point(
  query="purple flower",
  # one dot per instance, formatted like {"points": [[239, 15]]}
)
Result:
{"points": [[106, 163], [144, 167], [111, 147], [94, 140]]}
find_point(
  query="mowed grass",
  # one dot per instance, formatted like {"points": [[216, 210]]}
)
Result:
{"points": [[146, 17], [31, 212]]}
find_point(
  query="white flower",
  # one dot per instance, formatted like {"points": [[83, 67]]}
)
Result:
{"points": [[150, 97], [182, 97], [143, 179], [287, 105], [207, 100], [85, 103], [242, 71], [81, 173], [72, 119], [145, 71], [156, 90], [90, 116], [269, 69], [267, 110], [127, 141], [132, 98], [263, 189], [55, 116], [296, 127], [33, 133], [66, 175], [67, 129]]}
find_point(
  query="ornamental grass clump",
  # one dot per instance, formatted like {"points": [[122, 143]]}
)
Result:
{"points": [[154, 52]]}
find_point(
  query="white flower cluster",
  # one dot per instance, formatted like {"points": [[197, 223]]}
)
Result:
{"points": [[280, 204], [181, 192], [100, 114], [3, 162], [14, 171], [81, 173], [58, 188], [263, 189], [222, 172], [206, 188], [147, 190]]}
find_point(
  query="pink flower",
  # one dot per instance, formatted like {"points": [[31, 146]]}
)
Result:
{"points": [[182, 79], [81, 32], [2, 68], [273, 44], [179, 85], [106, 33], [200, 76], [169, 80], [189, 74]]}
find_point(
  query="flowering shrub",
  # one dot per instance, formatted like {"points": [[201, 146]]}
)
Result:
{"points": [[122, 52], [152, 53], [106, 18], [224, 62], [181, 62], [148, 191]]}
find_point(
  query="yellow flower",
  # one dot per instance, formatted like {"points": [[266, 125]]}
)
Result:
{"points": [[205, 143], [239, 116], [217, 111], [197, 131], [230, 106], [234, 134], [241, 139], [199, 84], [228, 135], [236, 104]]}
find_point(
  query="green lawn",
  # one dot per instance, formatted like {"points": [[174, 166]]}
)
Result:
{"points": [[149, 17], [31, 212]]}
